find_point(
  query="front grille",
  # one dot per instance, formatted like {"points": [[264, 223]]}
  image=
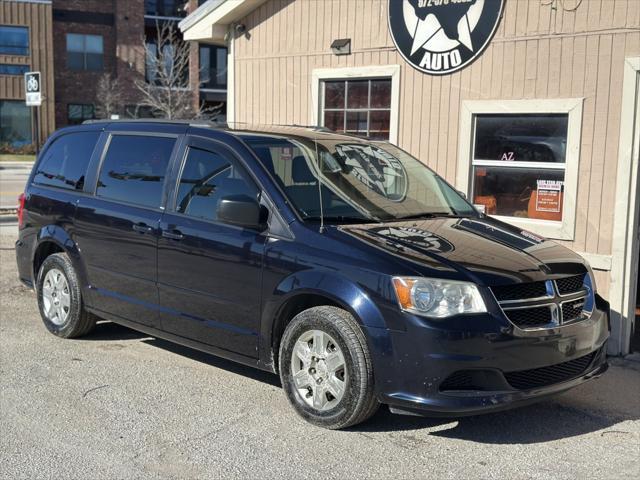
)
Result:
{"points": [[520, 291], [530, 317], [569, 285], [572, 310], [541, 377]]}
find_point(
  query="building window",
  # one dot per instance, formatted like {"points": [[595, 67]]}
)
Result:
{"points": [[13, 69], [359, 107], [358, 100], [213, 67], [165, 8], [519, 164], [138, 111], [14, 40], [85, 52], [78, 113], [521, 161], [15, 123]]}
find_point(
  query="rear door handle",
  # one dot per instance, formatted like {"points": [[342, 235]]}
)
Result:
{"points": [[142, 228], [173, 234]]}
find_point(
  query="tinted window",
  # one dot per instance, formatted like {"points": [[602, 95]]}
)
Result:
{"points": [[11, 69], [134, 169], [65, 162], [207, 177], [14, 40]]}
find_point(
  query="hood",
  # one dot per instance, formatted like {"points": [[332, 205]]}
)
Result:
{"points": [[484, 250]]}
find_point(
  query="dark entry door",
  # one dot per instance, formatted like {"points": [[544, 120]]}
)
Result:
{"points": [[209, 272]]}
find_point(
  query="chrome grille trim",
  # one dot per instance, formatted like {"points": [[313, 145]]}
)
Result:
{"points": [[554, 301]]}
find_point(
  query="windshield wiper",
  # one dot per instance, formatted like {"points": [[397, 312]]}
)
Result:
{"points": [[416, 216], [340, 219]]}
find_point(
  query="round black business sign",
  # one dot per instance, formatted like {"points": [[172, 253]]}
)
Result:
{"points": [[441, 36]]}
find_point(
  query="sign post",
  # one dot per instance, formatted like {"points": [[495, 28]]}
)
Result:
{"points": [[33, 98]]}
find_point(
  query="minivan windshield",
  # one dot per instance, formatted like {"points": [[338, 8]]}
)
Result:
{"points": [[359, 181]]}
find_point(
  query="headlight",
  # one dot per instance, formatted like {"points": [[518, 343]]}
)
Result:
{"points": [[435, 298]]}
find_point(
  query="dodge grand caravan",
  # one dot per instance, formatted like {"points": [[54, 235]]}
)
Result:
{"points": [[346, 266]]}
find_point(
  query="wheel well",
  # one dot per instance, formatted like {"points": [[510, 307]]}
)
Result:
{"points": [[293, 307], [43, 251]]}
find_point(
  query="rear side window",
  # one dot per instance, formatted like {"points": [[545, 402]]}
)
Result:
{"points": [[206, 178], [65, 162], [134, 169]]}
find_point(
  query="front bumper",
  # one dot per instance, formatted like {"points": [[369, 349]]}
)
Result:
{"points": [[453, 371]]}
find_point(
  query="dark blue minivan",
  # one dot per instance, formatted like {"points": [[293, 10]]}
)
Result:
{"points": [[345, 265]]}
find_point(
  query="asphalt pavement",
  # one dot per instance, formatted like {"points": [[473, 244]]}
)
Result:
{"points": [[119, 404], [13, 177]]}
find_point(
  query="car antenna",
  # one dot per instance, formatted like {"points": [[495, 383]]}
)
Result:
{"points": [[315, 140]]}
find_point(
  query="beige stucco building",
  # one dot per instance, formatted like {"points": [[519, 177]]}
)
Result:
{"points": [[540, 127]]}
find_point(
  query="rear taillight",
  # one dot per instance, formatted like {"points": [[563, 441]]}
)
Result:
{"points": [[20, 210]]}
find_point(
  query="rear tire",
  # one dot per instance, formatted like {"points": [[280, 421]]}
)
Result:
{"points": [[60, 298], [326, 370]]}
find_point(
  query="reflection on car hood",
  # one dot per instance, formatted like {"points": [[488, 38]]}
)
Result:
{"points": [[485, 250]]}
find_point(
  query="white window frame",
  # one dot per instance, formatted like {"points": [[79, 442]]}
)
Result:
{"points": [[564, 230], [320, 75]]}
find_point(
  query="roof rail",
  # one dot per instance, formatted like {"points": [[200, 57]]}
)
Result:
{"points": [[154, 120]]}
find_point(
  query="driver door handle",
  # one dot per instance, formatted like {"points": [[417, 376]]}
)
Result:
{"points": [[142, 228], [173, 234]]}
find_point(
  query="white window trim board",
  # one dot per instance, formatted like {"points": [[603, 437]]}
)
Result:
{"points": [[564, 230], [373, 71], [624, 249]]}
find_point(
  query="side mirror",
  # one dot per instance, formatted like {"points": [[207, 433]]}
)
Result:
{"points": [[243, 211]]}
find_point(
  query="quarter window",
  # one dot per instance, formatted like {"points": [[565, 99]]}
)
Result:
{"points": [[65, 162], [14, 40], [360, 107], [518, 163], [134, 169], [84, 52], [206, 178]]}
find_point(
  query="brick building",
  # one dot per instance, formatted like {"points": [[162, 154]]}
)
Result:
{"points": [[92, 38]]}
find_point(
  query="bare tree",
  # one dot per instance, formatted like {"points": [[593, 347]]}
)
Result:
{"points": [[109, 96], [166, 90]]}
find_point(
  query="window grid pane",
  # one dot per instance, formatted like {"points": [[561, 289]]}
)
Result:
{"points": [[85, 52], [355, 104]]}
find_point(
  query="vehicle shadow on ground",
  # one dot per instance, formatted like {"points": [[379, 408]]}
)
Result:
{"points": [[543, 422], [108, 331], [564, 416]]}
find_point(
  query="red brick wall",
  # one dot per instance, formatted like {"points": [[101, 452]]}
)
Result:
{"points": [[123, 51]]}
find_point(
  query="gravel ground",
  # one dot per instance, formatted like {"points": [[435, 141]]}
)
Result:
{"points": [[118, 404]]}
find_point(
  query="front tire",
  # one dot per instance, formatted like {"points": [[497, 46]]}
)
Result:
{"points": [[60, 298], [326, 370]]}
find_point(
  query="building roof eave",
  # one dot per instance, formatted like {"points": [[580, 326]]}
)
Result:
{"points": [[208, 23]]}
